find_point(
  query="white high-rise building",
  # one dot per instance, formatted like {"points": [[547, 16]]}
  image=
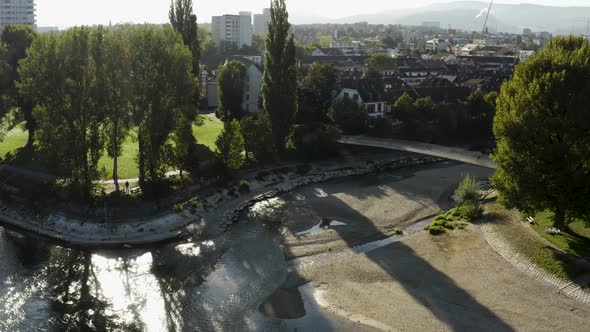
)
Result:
{"points": [[236, 29], [261, 21], [17, 12]]}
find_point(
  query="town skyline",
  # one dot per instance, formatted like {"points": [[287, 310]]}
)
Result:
{"points": [[86, 12]]}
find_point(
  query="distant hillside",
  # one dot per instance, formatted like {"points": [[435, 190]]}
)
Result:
{"points": [[470, 15]]}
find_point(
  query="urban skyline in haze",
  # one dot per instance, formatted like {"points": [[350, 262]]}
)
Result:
{"points": [[66, 13]]}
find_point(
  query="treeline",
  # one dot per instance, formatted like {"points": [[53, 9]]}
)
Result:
{"points": [[91, 88], [468, 121]]}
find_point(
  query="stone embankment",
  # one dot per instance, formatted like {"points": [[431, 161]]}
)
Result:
{"points": [[71, 231]]}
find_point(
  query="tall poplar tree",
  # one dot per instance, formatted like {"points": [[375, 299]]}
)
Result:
{"points": [[279, 86], [17, 39], [184, 21]]}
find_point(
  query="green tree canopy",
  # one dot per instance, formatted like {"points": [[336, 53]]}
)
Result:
{"points": [[17, 39], [230, 145], [381, 62], [184, 21], [542, 128], [315, 93], [258, 137], [230, 86], [347, 114]]}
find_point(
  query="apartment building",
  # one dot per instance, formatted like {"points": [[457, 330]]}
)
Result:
{"points": [[261, 21], [17, 12], [236, 29]]}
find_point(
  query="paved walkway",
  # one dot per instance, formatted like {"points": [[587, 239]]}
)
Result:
{"points": [[469, 157], [503, 235]]}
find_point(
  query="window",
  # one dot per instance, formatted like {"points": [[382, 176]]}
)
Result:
{"points": [[346, 94], [379, 108], [371, 108], [355, 97]]}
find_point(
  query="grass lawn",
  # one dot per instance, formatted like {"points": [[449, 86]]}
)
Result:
{"points": [[528, 245], [15, 139], [577, 242], [205, 134], [208, 132]]}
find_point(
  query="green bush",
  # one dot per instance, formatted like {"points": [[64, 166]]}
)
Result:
{"points": [[315, 141], [436, 230], [381, 127], [244, 186], [230, 145], [468, 191], [467, 211], [194, 203], [179, 208], [347, 114]]}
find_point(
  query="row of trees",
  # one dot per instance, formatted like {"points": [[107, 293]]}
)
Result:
{"points": [[267, 136], [90, 88], [83, 92], [456, 122]]}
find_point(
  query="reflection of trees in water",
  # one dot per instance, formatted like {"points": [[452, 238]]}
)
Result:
{"points": [[75, 297], [178, 274]]}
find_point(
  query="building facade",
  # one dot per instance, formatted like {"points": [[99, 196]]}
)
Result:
{"points": [[261, 22], [17, 12], [235, 29]]}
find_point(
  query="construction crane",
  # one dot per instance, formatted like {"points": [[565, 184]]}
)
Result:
{"points": [[483, 31]]}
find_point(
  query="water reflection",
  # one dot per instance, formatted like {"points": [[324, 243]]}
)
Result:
{"points": [[197, 286]]}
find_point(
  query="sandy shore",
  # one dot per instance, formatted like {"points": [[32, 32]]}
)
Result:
{"points": [[373, 207], [454, 282]]}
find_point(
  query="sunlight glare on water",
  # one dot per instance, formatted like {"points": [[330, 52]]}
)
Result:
{"points": [[131, 289]]}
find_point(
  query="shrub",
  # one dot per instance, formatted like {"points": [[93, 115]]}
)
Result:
{"points": [[194, 203], [258, 140], [230, 145], [468, 191], [179, 208], [436, 230], [467, 211], [381, 127], [244, 186], [315, 141], [347, 114]]}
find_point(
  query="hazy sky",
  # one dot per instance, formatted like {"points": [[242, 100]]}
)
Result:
{"points": [[64, 13]]}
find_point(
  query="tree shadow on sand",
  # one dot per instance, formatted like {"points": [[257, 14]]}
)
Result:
{"points": [[436, 291]]}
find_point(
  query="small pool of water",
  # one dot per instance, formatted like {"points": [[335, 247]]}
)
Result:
{"points": [[320, 227]]}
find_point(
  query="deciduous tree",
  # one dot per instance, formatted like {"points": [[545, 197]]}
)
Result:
{"points": [[230, 145], [230, 87], [542, 127]]}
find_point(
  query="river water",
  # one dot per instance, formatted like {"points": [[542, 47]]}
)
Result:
{"points": [[195, 286]]}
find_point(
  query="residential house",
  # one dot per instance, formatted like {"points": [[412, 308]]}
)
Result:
{"points": [[368, 94], [252, 84]]}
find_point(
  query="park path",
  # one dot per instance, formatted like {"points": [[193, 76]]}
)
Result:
{"points": [[122, 181], [462, 155]]}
